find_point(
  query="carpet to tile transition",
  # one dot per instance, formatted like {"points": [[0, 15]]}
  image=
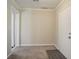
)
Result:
{"points": [[55, 54]]}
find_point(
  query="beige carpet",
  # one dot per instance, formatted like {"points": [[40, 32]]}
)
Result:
{"points": [[33, 52]]}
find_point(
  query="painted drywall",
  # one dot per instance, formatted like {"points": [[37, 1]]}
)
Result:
{"points": [[63, 28], [38, 26], [9, 4]]}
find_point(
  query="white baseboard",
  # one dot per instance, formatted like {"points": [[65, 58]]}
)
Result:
{"points": [[37, 44], [11, 51]]}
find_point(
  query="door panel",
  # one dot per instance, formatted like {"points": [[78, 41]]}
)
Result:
{"points": [[65, 32]]}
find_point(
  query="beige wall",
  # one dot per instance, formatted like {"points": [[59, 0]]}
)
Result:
{"points": [[63, 28], [38, 26]]}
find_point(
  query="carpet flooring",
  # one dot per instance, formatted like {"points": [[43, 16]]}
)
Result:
{"points": [[32, 52]]}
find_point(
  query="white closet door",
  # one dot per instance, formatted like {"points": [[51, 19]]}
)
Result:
{"points": [[65, 32]]}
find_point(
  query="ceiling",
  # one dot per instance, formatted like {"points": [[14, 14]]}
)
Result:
{"points": [[50, 4]]}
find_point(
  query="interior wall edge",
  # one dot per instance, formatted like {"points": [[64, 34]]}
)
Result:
{"points": [[13, 2], [20, 29], [61, 2]]}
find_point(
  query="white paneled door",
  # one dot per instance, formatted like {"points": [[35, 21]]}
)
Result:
{"points": [[65, 32]]}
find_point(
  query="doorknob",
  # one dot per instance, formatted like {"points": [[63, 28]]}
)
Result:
{"points": [[69, 35]]}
